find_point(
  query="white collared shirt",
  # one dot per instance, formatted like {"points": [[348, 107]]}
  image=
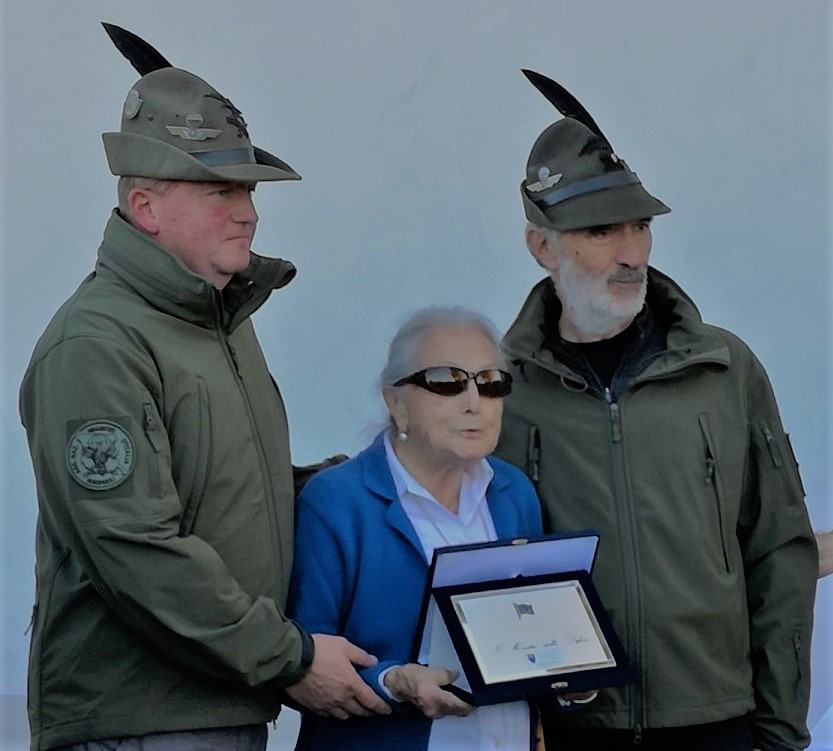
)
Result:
{"points": [[498, 726]]}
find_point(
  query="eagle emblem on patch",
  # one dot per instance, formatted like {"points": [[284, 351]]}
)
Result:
{"points": [[100, 455]]}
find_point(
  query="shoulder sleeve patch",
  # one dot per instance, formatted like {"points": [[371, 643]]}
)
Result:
{"points": [[100, 455]]}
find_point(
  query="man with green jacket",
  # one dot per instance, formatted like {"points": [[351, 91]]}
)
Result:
{"points": [[637, 419], [161, 454]]}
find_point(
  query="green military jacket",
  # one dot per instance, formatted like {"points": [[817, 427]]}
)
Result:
{"points": [[706, 562], [164, 536]]}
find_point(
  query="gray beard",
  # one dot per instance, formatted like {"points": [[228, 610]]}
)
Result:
{"points": [[589, 305]]}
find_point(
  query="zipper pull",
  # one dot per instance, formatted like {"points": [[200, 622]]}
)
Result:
{"points": [[797, 649], [615, 427], [710, 464], [772, 445], [149, 424], [533, 454], [637, 735]]}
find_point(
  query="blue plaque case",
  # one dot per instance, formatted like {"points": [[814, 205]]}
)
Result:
{"points": [[471, 587]]}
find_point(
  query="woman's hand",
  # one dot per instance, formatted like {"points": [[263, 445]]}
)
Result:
{"points": [[825, 543], [420, 685]]}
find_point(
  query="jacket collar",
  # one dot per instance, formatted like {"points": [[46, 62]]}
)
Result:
{"points": [[378, 480], [689, 340], [152, 272]]}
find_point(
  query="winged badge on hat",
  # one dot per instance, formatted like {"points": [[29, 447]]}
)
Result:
{"points": [[175, 126], [574, 179]]}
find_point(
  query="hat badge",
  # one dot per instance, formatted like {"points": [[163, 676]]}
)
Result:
{"points": [[545, 180], [235, 116], [131, 104], [192, 131]]}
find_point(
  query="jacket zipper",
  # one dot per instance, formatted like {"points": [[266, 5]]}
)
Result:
{"points": [[624, 509], [799, 672], [231, 356]]}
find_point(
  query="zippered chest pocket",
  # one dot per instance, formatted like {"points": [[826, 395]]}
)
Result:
{"points": [[192, 463], [713, 479]]}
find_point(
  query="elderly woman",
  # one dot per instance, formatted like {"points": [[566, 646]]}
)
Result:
{"points": [[367, 530]]}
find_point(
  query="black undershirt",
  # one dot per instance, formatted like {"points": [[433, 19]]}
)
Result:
{"points": [[605, 355]]}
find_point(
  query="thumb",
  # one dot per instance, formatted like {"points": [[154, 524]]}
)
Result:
{"points": [[447, 675]]}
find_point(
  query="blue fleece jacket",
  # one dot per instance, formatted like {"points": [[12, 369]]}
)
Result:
{"points": [[360, 571]]}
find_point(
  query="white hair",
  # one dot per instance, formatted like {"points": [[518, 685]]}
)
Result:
{"points": [[402, 350], [553, 235]]}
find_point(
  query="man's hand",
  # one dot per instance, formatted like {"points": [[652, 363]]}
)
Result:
{"points": [[332, 687], [825, 543], [420, 685]]}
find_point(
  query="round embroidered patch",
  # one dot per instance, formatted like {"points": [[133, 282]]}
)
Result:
{"points": [[100, 455]]}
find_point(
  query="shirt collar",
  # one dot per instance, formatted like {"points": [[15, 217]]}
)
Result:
{"points": [[472, 490]]}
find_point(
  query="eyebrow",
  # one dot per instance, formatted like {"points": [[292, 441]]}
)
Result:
{"points": [[596, 227], [599, 227]]}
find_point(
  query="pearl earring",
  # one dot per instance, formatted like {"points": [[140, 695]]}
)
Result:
{"points": [[402, 435]]}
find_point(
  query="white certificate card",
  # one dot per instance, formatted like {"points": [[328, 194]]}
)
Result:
{"points": [[532, 631]]}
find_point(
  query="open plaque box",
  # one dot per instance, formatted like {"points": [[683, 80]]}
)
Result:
{"points": [[519, 619]]}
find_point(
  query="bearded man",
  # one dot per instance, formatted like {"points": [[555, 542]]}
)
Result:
{"points": [[661, 432]]}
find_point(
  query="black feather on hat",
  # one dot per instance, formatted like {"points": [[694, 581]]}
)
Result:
{"points": [[142, 56]]}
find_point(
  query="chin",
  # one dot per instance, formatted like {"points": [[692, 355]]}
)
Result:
{"points": [[237, 268], [475, 450], [626, 305]]}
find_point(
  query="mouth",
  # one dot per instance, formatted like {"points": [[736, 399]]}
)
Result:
{"points": [[630, 283], [632, 277]]}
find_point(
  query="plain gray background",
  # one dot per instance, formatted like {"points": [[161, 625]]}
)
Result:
{"points": [[411, 122]]}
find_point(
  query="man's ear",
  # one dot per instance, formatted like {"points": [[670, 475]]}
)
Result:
{"points": [[142, 215], [540, 246]]}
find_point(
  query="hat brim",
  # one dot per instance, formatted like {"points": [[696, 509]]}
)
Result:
{"points": [[142, 156], [624, 203]]}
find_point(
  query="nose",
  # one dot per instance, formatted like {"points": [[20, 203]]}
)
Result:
{"points": [[471, 397], [245, 212], [635, 246]]}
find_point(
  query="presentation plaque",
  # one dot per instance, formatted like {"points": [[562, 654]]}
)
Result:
{"points": [[520, 619]]}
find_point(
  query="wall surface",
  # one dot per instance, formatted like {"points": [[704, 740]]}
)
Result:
{"points": [[411, 122]]}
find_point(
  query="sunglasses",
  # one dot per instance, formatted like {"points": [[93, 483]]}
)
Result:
{"points": [[446, 380]]}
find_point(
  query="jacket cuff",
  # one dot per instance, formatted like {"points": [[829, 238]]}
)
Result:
{"points": [[307, 648]]}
